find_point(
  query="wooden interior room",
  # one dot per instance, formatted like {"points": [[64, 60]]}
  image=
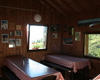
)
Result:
{"points": [[69, 17]]}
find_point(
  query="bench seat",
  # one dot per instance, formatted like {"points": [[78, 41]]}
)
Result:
{"points": [[7, 74]]}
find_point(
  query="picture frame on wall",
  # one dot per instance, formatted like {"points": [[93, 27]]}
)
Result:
{"points": [[18, 27], [4, 24], [5, 38], [71, 30], [11, 34], [77, 36], [54, 28], [54, 35], [18, 33], [11, 43], [67, 41], [18, 42]]}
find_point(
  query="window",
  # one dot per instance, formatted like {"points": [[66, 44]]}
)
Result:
{"points": [[37, 37], [92, 44]]}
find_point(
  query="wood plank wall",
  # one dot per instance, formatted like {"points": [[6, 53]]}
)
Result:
{"points": [[76, 49], [22, 17]]}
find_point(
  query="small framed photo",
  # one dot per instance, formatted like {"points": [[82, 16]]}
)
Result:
{"points": [[4, 24], [5, 38], [18, 27], [77, 36], [54, 28], [67, 41], [54, 35], [18, 33], [11, 43], [71, 30], [11, 34], [18, 42]]}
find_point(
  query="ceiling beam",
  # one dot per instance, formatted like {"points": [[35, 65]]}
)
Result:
{"points": [[85, 5], [50, 7], [56, 7], [66, 8], [74, 5]]}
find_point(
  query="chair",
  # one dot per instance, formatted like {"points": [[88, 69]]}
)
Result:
{"points": [[49, 78]]}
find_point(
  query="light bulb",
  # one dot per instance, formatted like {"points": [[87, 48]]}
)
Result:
{"points": [[37, 17]]}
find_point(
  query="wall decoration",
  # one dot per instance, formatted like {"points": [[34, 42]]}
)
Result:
{"points": [[11, 34], [4, 24], [5, 38], [18, 42], [54, 27], [54, 35], [71, 30], [11, 43], [18, 27], [12, 26], [66, 28], [67, 41], [77, 36], [18, 33]]}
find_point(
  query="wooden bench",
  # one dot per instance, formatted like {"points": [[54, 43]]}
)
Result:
{"points": [[68, 71], [7, 74]]}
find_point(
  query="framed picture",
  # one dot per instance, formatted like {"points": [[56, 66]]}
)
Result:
{"points": [[54, 35], [11, 43], [71, 30], [4, 24], [67, 41], [18, 42], [5, 38], [77, 36], [11, 34], [54, 28], [18, 27], [18, 33]]}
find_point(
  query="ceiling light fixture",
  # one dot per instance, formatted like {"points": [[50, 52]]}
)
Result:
{"points": [[93, 24], [37, 17]]}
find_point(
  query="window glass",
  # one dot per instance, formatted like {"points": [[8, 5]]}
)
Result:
{"points": [[37, 37], [92, 45]]}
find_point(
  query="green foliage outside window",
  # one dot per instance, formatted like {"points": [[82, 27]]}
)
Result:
{"points": [[93, 45]]}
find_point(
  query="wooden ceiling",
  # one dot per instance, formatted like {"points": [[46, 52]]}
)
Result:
{"points": [[71, 7]]}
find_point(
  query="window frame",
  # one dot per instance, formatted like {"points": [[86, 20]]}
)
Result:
{"points": [[28, 37], [86, 56]]}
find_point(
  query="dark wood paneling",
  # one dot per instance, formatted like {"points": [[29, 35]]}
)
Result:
{"points": [[23, 17], [77, 48], [54, 6], [70, 7]]}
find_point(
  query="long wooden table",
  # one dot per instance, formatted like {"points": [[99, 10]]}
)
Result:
{"points": [[97, 77], [74, 63], [68, 64], [28, 69]]}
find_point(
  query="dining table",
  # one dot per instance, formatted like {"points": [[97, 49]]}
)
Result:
{"points": [[97, 77], [67, 61], [28, 69]]}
